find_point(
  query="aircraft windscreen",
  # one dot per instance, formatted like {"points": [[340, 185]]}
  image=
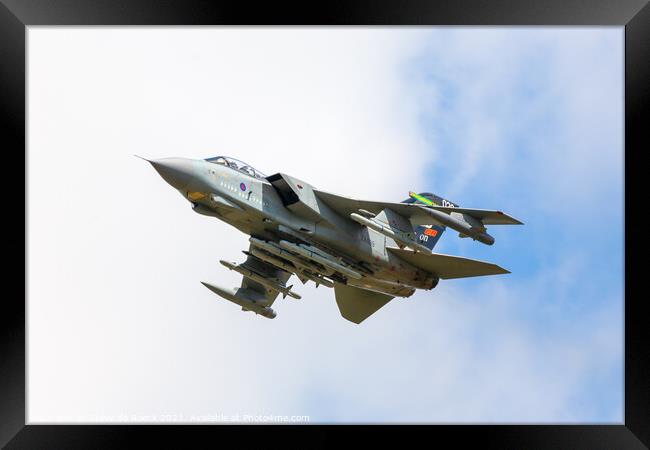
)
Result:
{"points": [[236, 165]]}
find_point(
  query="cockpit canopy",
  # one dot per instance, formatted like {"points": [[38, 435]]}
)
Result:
{"points": [[237, 165]]}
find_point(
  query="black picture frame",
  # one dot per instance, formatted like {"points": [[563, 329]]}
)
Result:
{"points": [[16, 15]]}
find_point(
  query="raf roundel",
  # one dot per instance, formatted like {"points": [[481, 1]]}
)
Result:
{"points": [[242, 186]]}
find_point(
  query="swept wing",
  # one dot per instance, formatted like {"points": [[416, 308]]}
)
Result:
{"points": [[416, 213]]}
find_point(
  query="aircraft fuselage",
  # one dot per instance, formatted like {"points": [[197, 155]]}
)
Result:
{"points": [[255, 206]]}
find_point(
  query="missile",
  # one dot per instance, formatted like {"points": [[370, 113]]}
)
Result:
{"points": [[317, 279], [260, 279], [388, 232], [246, 303], [309, 242], [367, 213], [470, 226], [319, 258], [277, 251], [277, 262]]}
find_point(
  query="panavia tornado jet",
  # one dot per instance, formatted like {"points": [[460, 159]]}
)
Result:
{"points": [[368, 251]]}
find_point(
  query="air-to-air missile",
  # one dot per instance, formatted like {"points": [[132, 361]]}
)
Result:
{"points": [[386, 231], [313, 254], [261, 279], [465, 224], [247, 304], [464, 227]]}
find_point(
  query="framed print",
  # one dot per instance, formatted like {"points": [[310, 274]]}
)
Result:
{"points": [[434, 202]]}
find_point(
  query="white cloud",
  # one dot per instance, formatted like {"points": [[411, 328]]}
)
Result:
{"points": [[560, 90], [471, 357]]}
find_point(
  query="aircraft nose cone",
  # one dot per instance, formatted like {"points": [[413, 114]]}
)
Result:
{"points": [[178, 172]]}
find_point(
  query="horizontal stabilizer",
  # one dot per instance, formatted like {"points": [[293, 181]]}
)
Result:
{"points": [[356, 304], [446, 267]]}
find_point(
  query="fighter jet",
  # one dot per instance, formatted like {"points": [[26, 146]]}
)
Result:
{"points": [[369, 252]]}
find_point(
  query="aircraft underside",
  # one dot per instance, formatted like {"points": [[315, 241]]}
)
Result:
{"points": [[367, 252]]}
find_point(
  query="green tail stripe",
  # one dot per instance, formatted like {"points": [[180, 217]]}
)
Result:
{"points": [[421, 199]]}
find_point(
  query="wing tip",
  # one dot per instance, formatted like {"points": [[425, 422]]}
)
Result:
{"points": [[512, 220]]}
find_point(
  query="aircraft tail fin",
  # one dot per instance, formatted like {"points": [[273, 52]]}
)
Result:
{"points": [[428, 235], [357, 304]]}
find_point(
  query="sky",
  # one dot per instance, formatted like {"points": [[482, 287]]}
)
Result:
{"points": [[524, 120]]}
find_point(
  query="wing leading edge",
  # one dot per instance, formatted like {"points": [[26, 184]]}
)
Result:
{"points": [[416, 213]]}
